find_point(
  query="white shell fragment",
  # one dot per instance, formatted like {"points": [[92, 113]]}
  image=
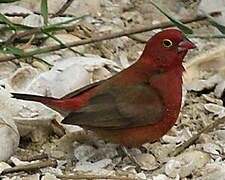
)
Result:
{"points": [[161, 177], [213, 171], [4, 166], [22, 78], [184, 164], [209, 7], [147, 161], [6, 69], [9, 134], [48, 176], [16, 10], [33, 20], [97, 167], [206, 71], [212, 148], [84, 152], [32, 177], [58, 82], [216, 109], [18, 162]]}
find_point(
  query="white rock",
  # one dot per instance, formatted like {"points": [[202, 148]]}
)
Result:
{"points": [[18, 162], [51, 170], [184, 164], [161, 177], [213, 171], [48, 176], [32, 177], [216, 109], [15, 10], [4, 166], [6, 69], [212, 148], [97, 167], [172, 139], [84, 70], [80, 8], [162, 151], [141, 175], [219, 89], [207, 70], [59, 82], [212, 99], [220, 134], [22, 77], [147, 161], [33, 20], [9, 139], [209, 6], [84, 152]]}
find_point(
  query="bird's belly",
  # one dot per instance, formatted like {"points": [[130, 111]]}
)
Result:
{"points": [[134, 137]]}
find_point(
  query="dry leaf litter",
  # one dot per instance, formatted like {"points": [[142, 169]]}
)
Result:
{"points": [[29, 129]]}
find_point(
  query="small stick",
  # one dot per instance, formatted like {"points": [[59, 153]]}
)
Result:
{"points": [[30, 167], [190, 141], [132, 158], [33, 158], [63, 8], [94, 177], [138, 39], [107, 36]]}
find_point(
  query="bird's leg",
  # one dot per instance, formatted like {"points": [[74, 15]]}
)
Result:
{"points": [[132, 158]]}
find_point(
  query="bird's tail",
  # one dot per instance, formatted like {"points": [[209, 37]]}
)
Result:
{"points": [[30, 97], [53, 103]]}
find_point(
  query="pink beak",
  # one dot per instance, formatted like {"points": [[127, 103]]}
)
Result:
{"points": [[185, 44]]}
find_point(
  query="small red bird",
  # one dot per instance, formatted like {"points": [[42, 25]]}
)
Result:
{"points": [[139, 104]]}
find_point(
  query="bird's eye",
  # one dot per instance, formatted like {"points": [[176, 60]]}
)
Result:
{"points": [[167, 43]]}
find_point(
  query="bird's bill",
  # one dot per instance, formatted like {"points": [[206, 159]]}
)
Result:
{"points": [[185, 44]]}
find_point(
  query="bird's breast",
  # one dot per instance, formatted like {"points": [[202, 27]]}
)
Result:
{"points": [[169, 86]]}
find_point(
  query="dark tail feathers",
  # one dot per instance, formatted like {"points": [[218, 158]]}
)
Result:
{"points": [[30, 97]]}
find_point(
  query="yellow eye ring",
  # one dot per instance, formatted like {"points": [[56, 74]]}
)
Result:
{"points": [[167, 43]]}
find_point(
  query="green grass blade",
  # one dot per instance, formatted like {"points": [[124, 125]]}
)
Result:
{"points": [[12, 25], [44, 11], [15, 50], [8, 1], [65, 22], [43, 61], [220, 27], [177, 23], [62, 44], [7, 21], [5, 52]]}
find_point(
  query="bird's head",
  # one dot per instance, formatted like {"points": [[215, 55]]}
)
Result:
{"points": [[167, 49]]}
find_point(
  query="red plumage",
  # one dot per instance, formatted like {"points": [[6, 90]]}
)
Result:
{"points": [[139, 104]]}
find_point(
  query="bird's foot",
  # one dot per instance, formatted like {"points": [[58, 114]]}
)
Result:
{"points": [[132, 158]]}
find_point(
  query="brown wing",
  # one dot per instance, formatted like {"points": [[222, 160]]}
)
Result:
{"points": [[83, 89], [117, 108]]}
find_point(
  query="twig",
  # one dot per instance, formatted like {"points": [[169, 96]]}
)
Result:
{"points": [[189, 142], [213, 154], [30, 167], [138, 39], [101, 38], [63, 8], [132, 158], [33, 158], [23, 34], [94, 177]]}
